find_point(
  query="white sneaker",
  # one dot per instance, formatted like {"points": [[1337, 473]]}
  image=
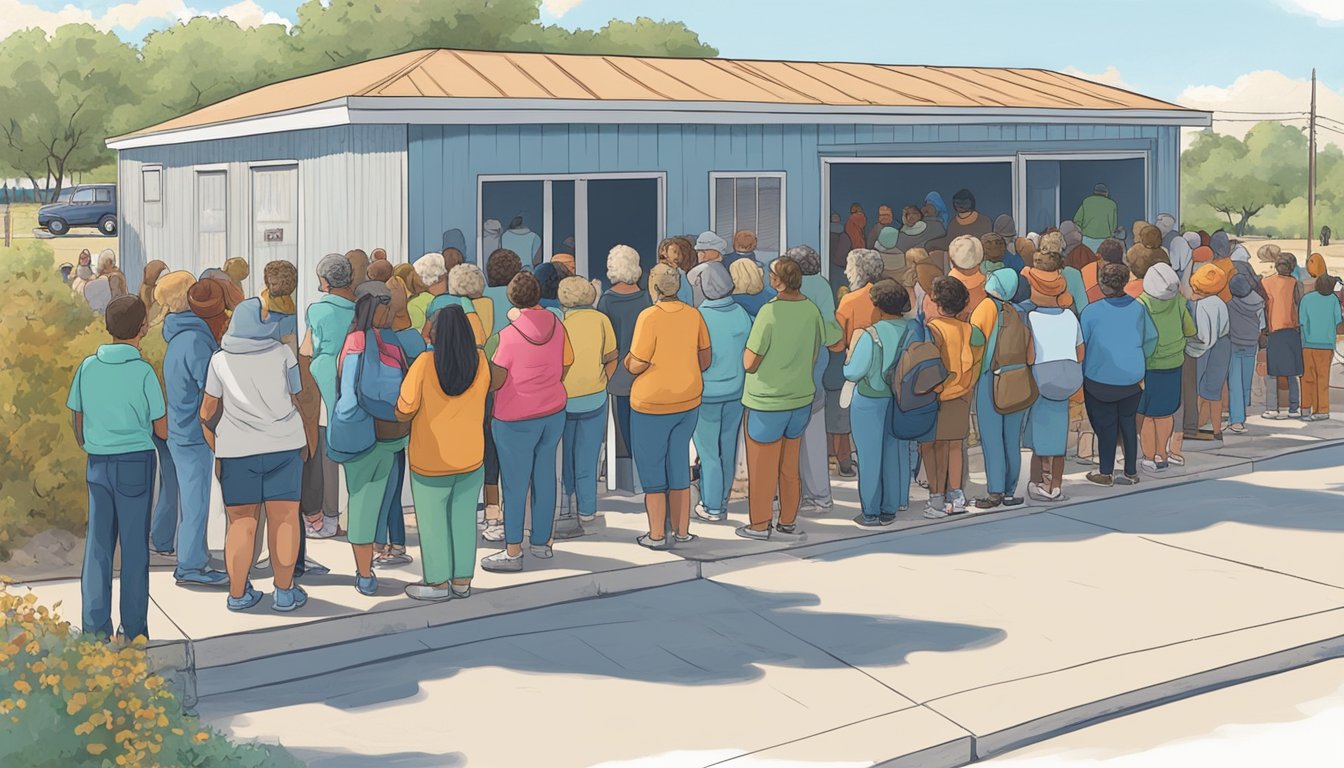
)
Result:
{"points": [[957, 500], [1148, 465], [328, 529], [1272, 415], [494, 531], [501, 562], [1295, 414]]}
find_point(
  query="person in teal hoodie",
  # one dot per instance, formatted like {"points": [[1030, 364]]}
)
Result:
{"points": [[329, 321], [189, 347], [719, 422], [1319, 316]]}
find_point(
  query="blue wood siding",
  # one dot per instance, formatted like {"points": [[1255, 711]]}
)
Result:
{"points": [[445, 161]]}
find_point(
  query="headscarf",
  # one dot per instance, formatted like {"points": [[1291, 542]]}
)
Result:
{"points": [[567, 261], [1209, 280], [1048, 289], [1067, 227], [1002, 284], [1005, 228], [936, 200], [247, 331], [966, 252], [1161, 282], [206, 299], [1241, 286], [1240, 254], [1221, 245], [1203, 254], [715, 282], [233, 293], [1315, 265], [1181, 255], [1193, 239]]}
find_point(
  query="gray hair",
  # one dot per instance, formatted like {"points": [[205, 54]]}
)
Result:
{"points": [[623, 265], [336, 270], [466, 280], [807, 257], [863, 266], [431, 268]]}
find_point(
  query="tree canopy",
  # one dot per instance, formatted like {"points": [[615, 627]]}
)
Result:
{"points": [[1258, 185], [63, 94]]}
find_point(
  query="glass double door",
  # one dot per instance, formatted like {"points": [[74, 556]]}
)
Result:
{"points": [[583, 216]]}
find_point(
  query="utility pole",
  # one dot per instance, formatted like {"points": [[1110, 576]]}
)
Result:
{"points": [[1311, 165]]}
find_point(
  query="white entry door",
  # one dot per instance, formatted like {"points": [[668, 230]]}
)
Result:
{"points": [[275, 225], [212, 239]]}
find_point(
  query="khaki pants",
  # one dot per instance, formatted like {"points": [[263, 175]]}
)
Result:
{"points": [[773, 468], [1316, 379]]}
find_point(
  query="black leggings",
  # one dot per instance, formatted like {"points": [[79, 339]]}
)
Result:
{"points": [[1110, 420]]}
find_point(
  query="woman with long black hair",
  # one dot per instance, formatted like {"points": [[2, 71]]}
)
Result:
{"points": [[443, 397]]}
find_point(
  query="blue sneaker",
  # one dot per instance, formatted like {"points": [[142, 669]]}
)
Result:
{"points": [[287, 600], [366, 585], [206, 577], [250, 598]]}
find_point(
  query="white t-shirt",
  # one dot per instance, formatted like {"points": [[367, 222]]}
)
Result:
{"points": [[255, 391], [1056, 335]]}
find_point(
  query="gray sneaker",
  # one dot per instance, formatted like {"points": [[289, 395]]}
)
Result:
{"points": [[747, 532], [501, 562], [542, 551], [568, 528], [815, 507], [788, 533], [461, 592], [428, 592], [936, 507]]}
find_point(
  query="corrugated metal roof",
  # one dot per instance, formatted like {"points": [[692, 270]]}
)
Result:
{"points": [[498, 75]]}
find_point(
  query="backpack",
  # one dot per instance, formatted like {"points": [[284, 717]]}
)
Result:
{"points": [[914, 381], [366, 406], [1057, 380], [1014, 387]]}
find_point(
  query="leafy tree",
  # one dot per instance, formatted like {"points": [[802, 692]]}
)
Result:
{"points": [[1240, 178], [60, 97], [189, 66]]}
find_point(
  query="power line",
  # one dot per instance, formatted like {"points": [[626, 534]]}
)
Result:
{"points": [[1245, 112]]}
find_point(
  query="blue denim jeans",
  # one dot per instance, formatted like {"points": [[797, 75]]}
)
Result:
{"points": [[884, 461], [392, 518], [715, 438], [621, 407], [121, 491], [527, 463], [1239, 379], [583, 437], [163, 521], [1000, 440], [194, 465]]}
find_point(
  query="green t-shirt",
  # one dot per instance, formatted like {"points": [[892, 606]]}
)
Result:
{"points": [[417, 308], [120, 398], [787, 335]]}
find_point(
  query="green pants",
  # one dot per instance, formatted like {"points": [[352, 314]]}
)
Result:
{"points": [[367, 482], [445, 515]]}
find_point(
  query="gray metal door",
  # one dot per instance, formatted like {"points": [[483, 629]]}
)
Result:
{"points": [[212, 240], [275, 225]]}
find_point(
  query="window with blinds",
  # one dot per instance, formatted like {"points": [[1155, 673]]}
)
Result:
{"points": [[754, 202]]}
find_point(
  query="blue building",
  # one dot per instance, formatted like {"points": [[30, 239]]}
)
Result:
{"points": [[575, 154]]}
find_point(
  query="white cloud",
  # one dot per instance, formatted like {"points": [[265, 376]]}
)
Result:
{"points": [[247, 14], [1266, 91], [1328, 11], [16, 15], [1109, 76], [558, 8]]}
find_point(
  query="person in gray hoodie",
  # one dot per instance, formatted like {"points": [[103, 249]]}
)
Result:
{"points": [[190, 344], [1246, 320], [492, 231]]}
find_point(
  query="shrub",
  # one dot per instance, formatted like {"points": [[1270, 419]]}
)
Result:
{"points": [[71, 701], [45, 331]]}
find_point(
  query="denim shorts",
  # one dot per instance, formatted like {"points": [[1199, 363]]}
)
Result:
{"points": [[661, 444], [773, 426], [264, 477]]}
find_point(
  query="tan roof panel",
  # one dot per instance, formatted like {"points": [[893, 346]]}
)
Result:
{"points": [[499, 75]]}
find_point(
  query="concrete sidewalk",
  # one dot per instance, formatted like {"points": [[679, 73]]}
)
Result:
{"points": [[213, 651], [930, 648]]}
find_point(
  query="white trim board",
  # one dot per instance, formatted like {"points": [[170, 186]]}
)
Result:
{"points": [[397, 110]]}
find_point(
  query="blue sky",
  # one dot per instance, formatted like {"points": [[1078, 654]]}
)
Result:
{"points": [[1163, 48]]}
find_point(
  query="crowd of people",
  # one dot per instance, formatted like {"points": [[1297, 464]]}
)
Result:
{"points": [[492, 387]]}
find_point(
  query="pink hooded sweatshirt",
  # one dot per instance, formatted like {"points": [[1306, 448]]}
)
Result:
{"points": [[534, 350]]}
